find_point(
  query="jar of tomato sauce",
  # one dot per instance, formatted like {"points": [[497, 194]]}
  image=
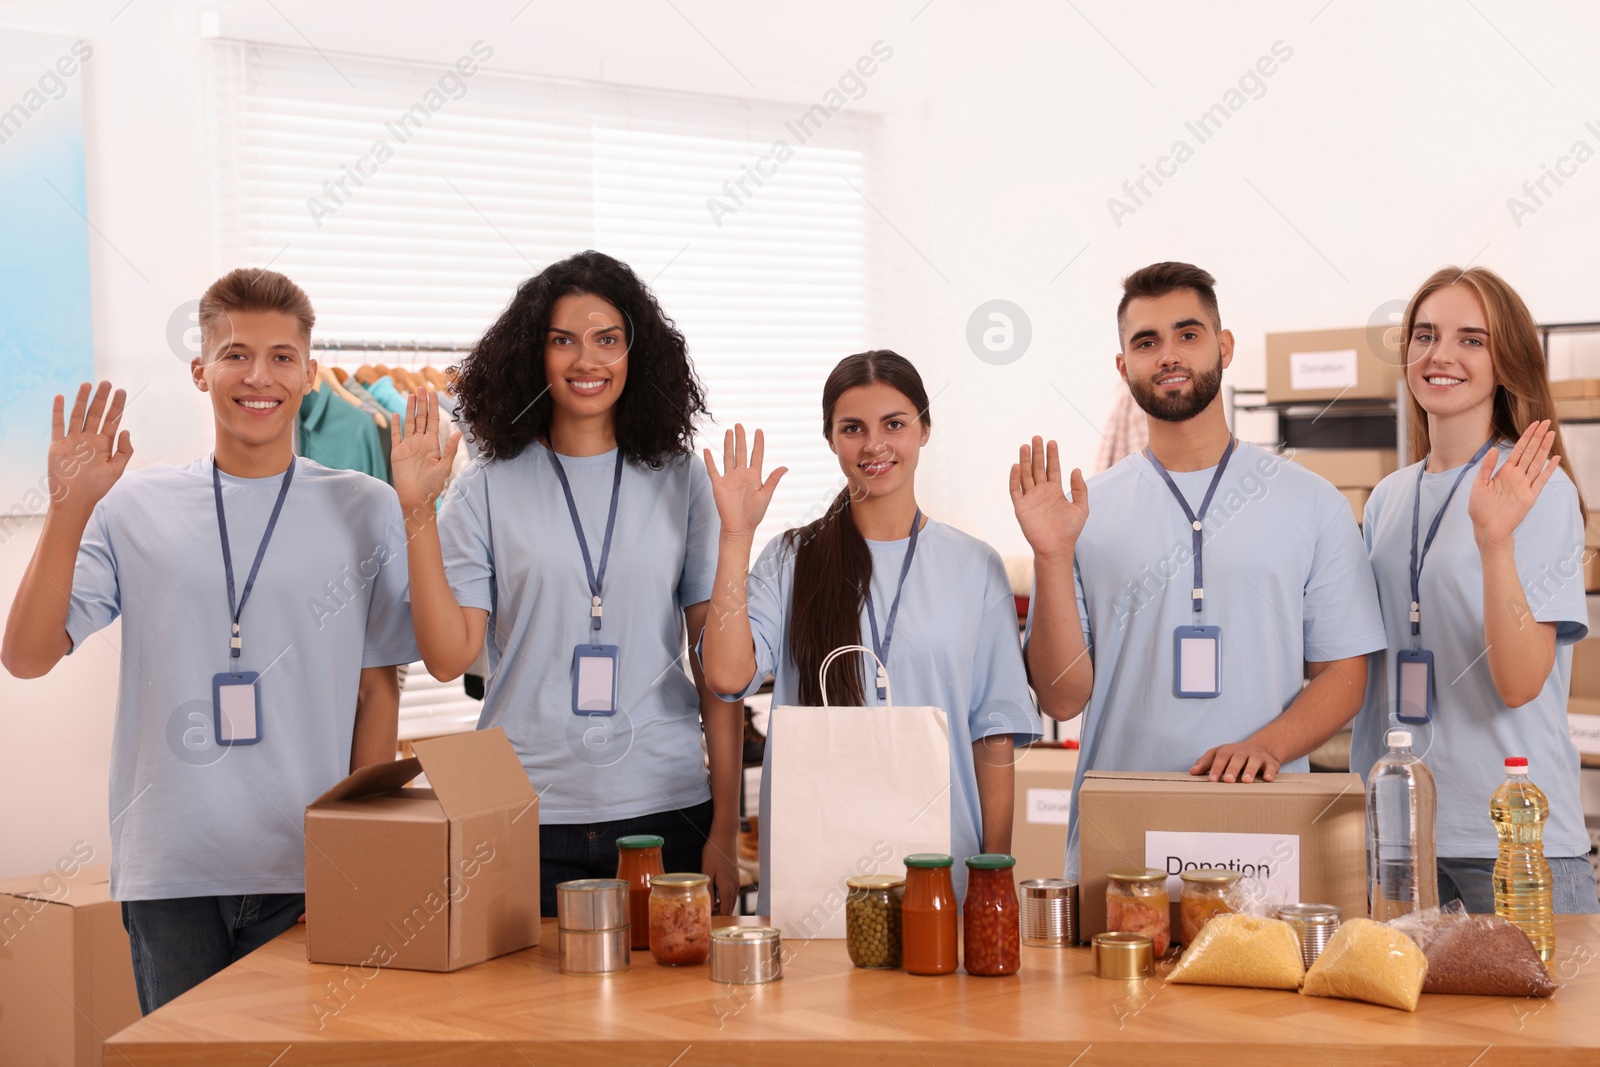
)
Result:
{"points": [[639, 861], [928, 915], [991, 924]]}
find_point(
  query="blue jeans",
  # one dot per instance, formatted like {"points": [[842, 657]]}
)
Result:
{"points": [[179, 943], [1572, 888], [589, 850]]}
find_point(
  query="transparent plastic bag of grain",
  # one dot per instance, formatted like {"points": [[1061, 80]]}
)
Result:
{"points": [[1369, 961], [1242, 950], [1476, 955]]}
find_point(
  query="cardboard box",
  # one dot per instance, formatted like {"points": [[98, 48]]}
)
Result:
{"points": [[1358, 501], [1587, 407], [1575, 387], [1043, 804], [1585, 680], [429, 879], [1583, 723], [1349, 468], [1307, 835], [66, 976], [1353, 364]]}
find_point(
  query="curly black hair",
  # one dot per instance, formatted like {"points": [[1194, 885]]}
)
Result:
{"points": [[502, 384]]}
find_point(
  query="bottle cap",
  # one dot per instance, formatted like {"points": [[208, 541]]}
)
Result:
{"points": [[1398, 738], [1516, 764]]}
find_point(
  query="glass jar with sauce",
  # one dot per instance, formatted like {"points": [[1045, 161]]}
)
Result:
{"points": [[1203, 896], [638, 861], [991, 920], [928, 915], [1137, 903], [680, 919]]}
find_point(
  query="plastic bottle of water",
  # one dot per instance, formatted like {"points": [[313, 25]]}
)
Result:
{"points": [[1401, 805], [1522, 874]]}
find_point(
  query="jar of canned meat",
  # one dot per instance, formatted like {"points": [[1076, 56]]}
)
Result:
{"points": [[638, 861], [928, 915], [872, 920], [1137, 903], [1203, 896], [991, 922], [680, 919]]}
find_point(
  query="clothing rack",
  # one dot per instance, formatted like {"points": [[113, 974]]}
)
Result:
{"points": [[386, 349]]}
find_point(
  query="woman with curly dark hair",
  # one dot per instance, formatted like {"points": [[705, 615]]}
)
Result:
{"points": [[583, 540]]}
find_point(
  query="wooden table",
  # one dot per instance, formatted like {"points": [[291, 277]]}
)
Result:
{"points": [[274, 1008]]}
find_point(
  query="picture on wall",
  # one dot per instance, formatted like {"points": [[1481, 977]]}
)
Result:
{"points": [[46, 344]]}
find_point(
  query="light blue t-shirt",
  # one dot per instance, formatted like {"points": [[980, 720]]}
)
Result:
{"points": [[189, 818], [955, 647], [1285, 579], [1473, 731], [510, 549]]}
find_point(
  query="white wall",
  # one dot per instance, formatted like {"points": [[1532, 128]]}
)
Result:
{"points": [[1385, 146]]}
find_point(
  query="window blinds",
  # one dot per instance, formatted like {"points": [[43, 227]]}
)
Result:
{"points": [[410, 199]]}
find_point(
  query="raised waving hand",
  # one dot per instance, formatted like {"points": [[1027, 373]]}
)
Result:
{"points": [[1049, 520], [87, 452], [1501, 499], [420, 466], [741, 495]]}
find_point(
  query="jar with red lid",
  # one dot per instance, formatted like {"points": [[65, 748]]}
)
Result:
{"points": [[639, 861], [991, 920], [928, 915]]}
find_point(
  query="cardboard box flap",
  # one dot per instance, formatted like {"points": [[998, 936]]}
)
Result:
{"points": [[373, 779], [475, 771], [88, 886]]}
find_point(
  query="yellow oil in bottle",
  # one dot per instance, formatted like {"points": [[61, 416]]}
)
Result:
{"points": [[1521, 873]]}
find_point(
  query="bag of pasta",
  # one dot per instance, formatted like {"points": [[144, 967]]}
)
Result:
{"points": [[1476, 955], [1369, 961], [1242, 950]]}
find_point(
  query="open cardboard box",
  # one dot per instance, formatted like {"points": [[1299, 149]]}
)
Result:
{"points": [[1303, 833], [428, 879]]}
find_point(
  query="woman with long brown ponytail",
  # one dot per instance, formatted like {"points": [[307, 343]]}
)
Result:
{"points": [[874, 570], [1483, 592]]}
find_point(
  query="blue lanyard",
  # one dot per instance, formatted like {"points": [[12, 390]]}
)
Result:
{"points": [[235, 645], [1199, 594], [881, 647], [596, 581], [1418, 558]]}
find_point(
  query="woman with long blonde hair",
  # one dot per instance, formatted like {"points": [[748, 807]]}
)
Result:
{"points": [[1482, 590]]}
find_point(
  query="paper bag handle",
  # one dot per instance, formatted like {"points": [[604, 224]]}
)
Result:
{"points": [[883, 672]]}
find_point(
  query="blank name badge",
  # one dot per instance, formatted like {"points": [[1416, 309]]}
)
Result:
{"points": [[1197, 661]]}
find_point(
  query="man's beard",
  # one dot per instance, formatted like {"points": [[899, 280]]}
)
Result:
{"points": [[1179, 407]]}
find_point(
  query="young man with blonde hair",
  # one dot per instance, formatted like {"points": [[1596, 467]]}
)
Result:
{"points": [[264, 604]]}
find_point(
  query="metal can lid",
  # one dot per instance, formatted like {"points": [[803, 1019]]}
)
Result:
{"points": [[591, 885], [1136, 874], [641, 841], [1312, 914], [875, 881], [746, 933], [929, 859], [1048, 888], [991, 861], [1211, 876], [1123, 955], [680, 881]]}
